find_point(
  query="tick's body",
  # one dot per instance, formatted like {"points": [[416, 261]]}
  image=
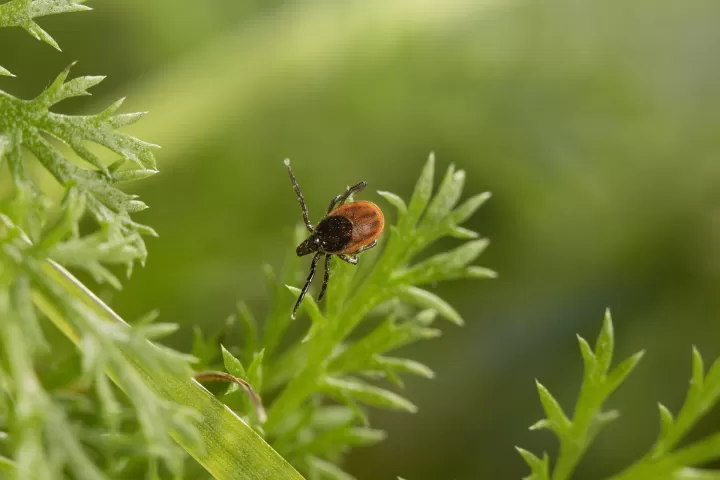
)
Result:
{"points": [[345, 231]]}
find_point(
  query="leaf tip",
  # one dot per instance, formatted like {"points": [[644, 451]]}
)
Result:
{"points": [[698, 367], [540, 425]]}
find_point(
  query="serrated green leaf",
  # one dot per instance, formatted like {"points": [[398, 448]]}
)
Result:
{"points": [[666, 421], [462, 233], [363, 436], [132, 175], [620, 373], [542, 424], [540, 468], [20, 13], [405, 365], [421, 194], [446, 266], [698, 370], [476, 272], [447, 196], [125, 119], [387, 336], [396, 201], [30, 119], [89, 157], [529, 457], [61, 89], [589, 359], [366, 393], [469, 207], [232, 364], [5, 73], [34, 29], [559, 422], [662, 462], [425, 299], [702, 396], [605, 344]]}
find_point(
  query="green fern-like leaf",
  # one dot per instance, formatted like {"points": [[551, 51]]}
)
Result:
{"points": [[664, 461], [577, 433], [21, 13], [45, 441], [23, 126], [324, 364]]}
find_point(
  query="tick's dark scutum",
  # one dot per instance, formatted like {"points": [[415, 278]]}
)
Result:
{"points": [[335, 232]]}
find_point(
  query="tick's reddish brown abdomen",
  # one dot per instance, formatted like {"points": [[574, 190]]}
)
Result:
{"points": [[367, 220]]}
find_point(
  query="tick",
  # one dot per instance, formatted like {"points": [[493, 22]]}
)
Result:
{"points": [[346, 230]]}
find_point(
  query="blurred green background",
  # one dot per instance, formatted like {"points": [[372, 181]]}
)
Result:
{"points": [[596, 125]]}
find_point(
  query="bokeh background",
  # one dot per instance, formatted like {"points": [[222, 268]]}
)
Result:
{"points": [[596, 125]]}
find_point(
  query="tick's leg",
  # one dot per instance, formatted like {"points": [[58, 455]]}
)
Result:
{"points": [[327, 277], [351, 259], [307, 283], [301, 199], [367, 247], [343, 196]]}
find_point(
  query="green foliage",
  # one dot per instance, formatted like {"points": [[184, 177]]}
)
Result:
{"points": [[22, 126], [329, 363], [20, 13], [120, 405], [44, 442], [664, 460]]}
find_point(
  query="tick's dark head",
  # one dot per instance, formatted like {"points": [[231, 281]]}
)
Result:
{"points": [[309, 245]]}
